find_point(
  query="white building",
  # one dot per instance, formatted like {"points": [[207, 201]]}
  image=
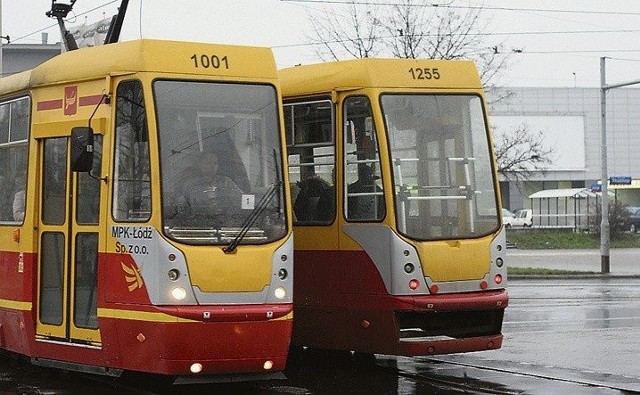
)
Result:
{"points": [[569, 120]]}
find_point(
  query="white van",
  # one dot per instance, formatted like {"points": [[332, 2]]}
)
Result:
{"points": [[523, 217]]}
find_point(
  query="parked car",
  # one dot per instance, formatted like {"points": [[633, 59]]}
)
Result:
{"points": [[507, 218], [523, 217], [634, 218]]}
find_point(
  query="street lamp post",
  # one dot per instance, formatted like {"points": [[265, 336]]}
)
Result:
{"points": [[604, 224]]}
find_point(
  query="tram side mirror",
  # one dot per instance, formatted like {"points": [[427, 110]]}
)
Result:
{"points": [[81, 149]]}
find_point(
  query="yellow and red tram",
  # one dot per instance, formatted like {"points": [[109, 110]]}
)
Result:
{"points": [[399, 246], [102, 268]]}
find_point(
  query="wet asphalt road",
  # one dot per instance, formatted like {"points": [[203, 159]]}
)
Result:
{"points": [[576, 330], [578, 335]]}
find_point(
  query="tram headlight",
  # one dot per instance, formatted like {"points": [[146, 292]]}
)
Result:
{"points": [[283, 274], [280, 293], [178, 293]]}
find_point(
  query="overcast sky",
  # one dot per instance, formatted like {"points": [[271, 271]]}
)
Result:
{"points": [[561, 41]]}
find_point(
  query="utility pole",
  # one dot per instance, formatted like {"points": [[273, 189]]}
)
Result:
{"points": [[1, 68], [1, 38], [604, 224]]}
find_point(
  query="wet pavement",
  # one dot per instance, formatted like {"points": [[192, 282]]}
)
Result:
{"points": [[582, 329], [562, 335]]}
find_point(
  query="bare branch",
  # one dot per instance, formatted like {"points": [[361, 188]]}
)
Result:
{"points": [[519, 152], [356, 36]]}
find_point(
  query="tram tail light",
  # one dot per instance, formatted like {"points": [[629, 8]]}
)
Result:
{"points": [[414, 284], [498, 279]]}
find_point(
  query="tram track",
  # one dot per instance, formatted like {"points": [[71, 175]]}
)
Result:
{"points": [[522, 378]]}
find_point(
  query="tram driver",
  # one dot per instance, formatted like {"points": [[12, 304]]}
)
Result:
{"points": [[208, 198]]}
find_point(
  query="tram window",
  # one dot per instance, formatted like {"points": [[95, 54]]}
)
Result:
{"points": [[364, 200], [310, 131], [14, 132], [132, 179], [55, 181], [442, 168], [234, 124], [85, 306], [309, 123], [19, 129], [51, 278], [88, 205]]}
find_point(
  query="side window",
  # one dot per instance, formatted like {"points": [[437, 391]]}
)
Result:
{"points": [[14, 135], [310, 129], [88, 202], [132, 180], [364, 196]]}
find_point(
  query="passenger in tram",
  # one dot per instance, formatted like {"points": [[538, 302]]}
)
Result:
{"points": [[18, 198], [310, 204], [208, 195], [365, 207]]}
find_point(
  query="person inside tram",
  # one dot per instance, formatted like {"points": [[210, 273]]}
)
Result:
{"points": [[368, 206], [19, 198], [309, 205], [208, 197]]}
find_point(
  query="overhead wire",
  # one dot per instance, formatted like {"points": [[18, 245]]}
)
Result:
{"points": [[436, 5], [483, 7]]}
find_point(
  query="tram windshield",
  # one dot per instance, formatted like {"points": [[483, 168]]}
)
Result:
{"points": [[442, 167], [220, 162]]}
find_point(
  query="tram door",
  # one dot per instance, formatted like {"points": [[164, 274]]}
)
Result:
{"points": [[68, 245]]}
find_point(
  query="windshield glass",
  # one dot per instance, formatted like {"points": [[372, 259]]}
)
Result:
{"points": [[442, 168], [219, 156]]}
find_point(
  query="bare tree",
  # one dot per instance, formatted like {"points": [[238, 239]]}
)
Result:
{"points": [[408, 31], [411, 29], [354, 35], [418, 29], [520, 151]]}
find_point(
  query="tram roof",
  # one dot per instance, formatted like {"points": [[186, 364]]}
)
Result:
{"points": [[380, 73], [140, 56]]}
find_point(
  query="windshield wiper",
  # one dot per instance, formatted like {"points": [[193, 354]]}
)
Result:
{"points": [[262, 205]]}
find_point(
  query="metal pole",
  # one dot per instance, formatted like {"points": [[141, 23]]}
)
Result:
{"points": [[1, 68], [604, 224]]}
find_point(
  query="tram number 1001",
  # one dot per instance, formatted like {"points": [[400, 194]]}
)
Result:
{"points": [[210, 61]]}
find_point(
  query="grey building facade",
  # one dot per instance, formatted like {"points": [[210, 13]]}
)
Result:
{"points": [[20, 57], [569, 121]]}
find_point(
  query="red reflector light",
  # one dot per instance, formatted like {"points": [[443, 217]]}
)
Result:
{"points": [[414, 284], [484, 284], [498, 278], [434, 288]]}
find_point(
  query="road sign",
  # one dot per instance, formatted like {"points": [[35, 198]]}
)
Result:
{"points": [[620, 180]]}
